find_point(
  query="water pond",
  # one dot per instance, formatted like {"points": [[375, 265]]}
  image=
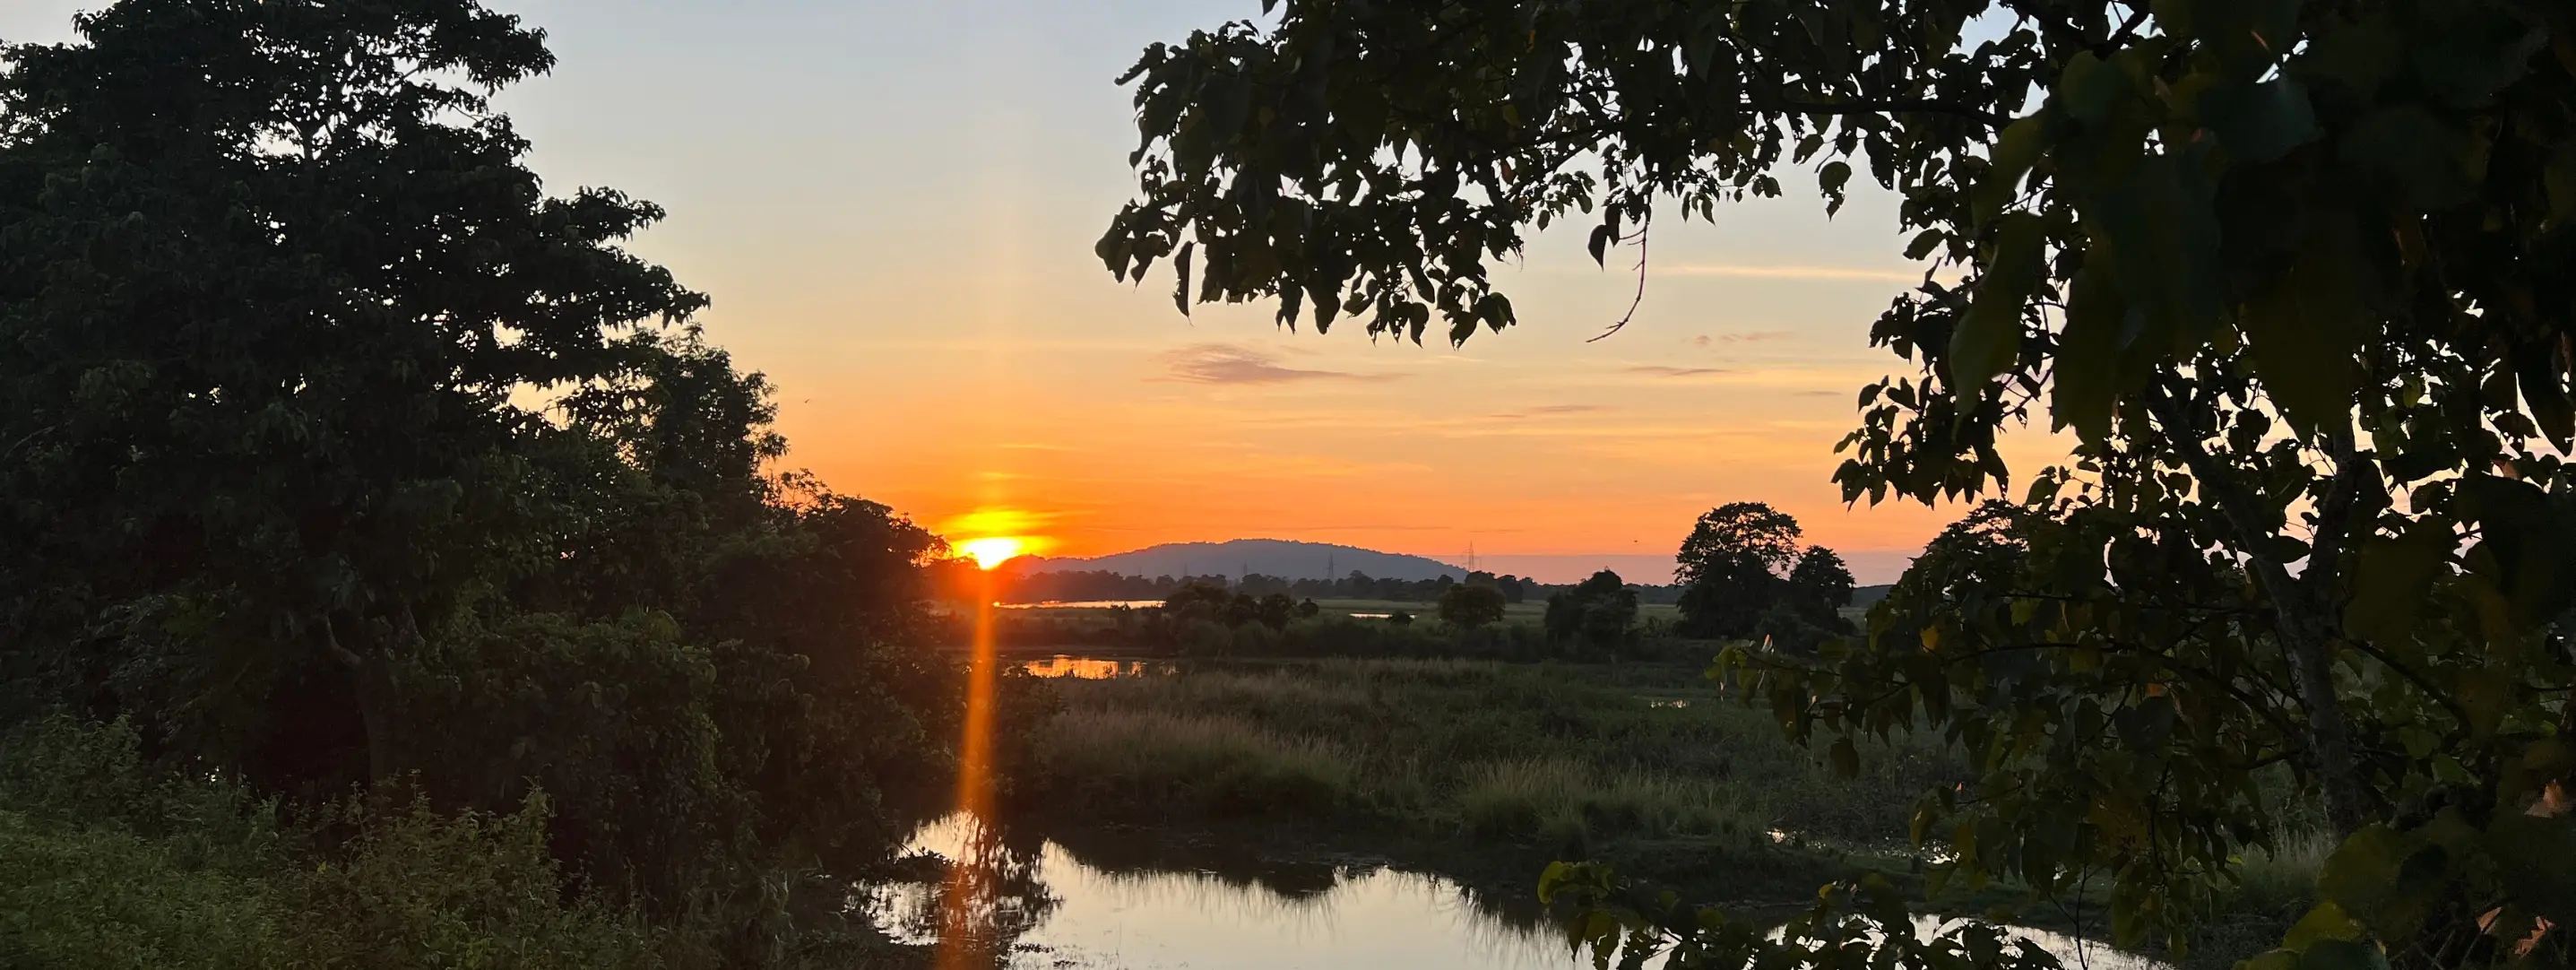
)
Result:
{"points": [[1036, 904], [1093, 668]]}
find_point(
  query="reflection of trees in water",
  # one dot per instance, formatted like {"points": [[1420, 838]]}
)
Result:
{"points": [[1242, 882], [993, 894], [1003, 885]]}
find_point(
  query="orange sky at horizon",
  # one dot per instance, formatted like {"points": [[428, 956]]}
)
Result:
{"points": [[893, 204]]}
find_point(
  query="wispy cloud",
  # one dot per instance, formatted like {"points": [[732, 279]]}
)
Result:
{"points": [[1545, 410], [1704, 340], [1231, 364], [1658, 370], [1824, 273]]}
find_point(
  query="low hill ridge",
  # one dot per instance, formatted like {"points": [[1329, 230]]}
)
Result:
{"points": [[1286, 558]]}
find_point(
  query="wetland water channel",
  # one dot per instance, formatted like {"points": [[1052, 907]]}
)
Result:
{"points": [[1125, 905], [1144, 900]]}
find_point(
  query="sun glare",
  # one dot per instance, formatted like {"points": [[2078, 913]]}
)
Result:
{"points": [[992, 552]]}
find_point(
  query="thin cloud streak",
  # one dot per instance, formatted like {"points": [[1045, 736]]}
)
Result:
{"points": [[1704, 340], [1659, 370], [1817, 273], [1546, 410], [1216, 363]]}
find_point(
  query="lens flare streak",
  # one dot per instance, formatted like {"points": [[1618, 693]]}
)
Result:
{"points": [[967, 897]]}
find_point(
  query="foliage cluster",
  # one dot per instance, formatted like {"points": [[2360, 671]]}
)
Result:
{"points": [[109, 861], [2295, 273], [1743, 575], [336, 452], [1598, 614]]}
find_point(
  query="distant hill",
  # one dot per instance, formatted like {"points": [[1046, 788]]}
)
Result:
{"points": [[1270, 557], [1870, 595]]}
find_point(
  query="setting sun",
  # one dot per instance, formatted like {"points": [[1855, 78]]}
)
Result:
{"points": [[992, 552]]}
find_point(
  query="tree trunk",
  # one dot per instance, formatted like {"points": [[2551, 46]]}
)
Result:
{"points": [[2301, 605], [371, 686], [2305, 637]]}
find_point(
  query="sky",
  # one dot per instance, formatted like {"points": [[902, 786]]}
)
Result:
{"points": [[892, 205]]}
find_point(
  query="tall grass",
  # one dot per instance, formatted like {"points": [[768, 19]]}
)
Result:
{"points": [[1555, 800], [1202, 765], [1533, 753]]}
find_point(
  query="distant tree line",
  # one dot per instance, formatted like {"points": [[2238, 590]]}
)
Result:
{"points": [[1075, 586]]}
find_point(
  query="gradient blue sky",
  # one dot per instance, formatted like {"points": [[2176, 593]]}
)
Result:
{"points": [[893, 206]]}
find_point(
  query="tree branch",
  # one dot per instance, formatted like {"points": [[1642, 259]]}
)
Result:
{"points": [[331, 640], [1891, 106], [2301, 622]]}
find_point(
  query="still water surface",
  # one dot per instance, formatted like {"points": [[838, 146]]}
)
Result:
{"points": [[1119, 904]]}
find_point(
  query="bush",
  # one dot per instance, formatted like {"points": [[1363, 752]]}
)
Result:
{"points": [[109, 861], [418, 889], [100, 897]]}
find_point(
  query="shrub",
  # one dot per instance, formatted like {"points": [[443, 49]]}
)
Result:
{"points": [[109, 861], [99, 897]]}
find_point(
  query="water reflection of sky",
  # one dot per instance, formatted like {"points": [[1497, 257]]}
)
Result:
{"points": [[1091, 668], [1131, 916]]}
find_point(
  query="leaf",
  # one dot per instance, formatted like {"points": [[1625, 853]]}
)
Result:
{"points": [[2090, 87], [2527, 536], [1989, 335], [2559, 180], [2433, 162], [1846, 758], [2153, 228], [2359, 58], [2016, 151], [2086, 380], [1181, 267], [2531, 856], [2482, 53], [2273, 118], [2327, 921], [2343, 955], [2309, 326], [1831, 180], [2393, 578], [2358, 876]]}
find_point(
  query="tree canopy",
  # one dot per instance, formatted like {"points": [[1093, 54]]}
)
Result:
{"points": [[1729, 566], [1599, 612], [2299, 277], [334, 449], [1472, 605]]}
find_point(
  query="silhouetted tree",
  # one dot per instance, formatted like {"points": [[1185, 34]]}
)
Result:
{"points": [[1600, 612], [1276, 610], [334, 449], [1819, 587], [1472, 606], [1730, 567], [2295, 277]]}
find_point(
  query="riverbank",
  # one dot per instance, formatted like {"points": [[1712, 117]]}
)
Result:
{"points": [[1484, 772], [1647, 764]]}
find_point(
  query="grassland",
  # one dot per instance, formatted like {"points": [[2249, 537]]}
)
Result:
{"points": [[1646, 763], [1493, 768]]}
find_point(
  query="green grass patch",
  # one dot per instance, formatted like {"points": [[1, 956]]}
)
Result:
{"points": [[1548, 754]]}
